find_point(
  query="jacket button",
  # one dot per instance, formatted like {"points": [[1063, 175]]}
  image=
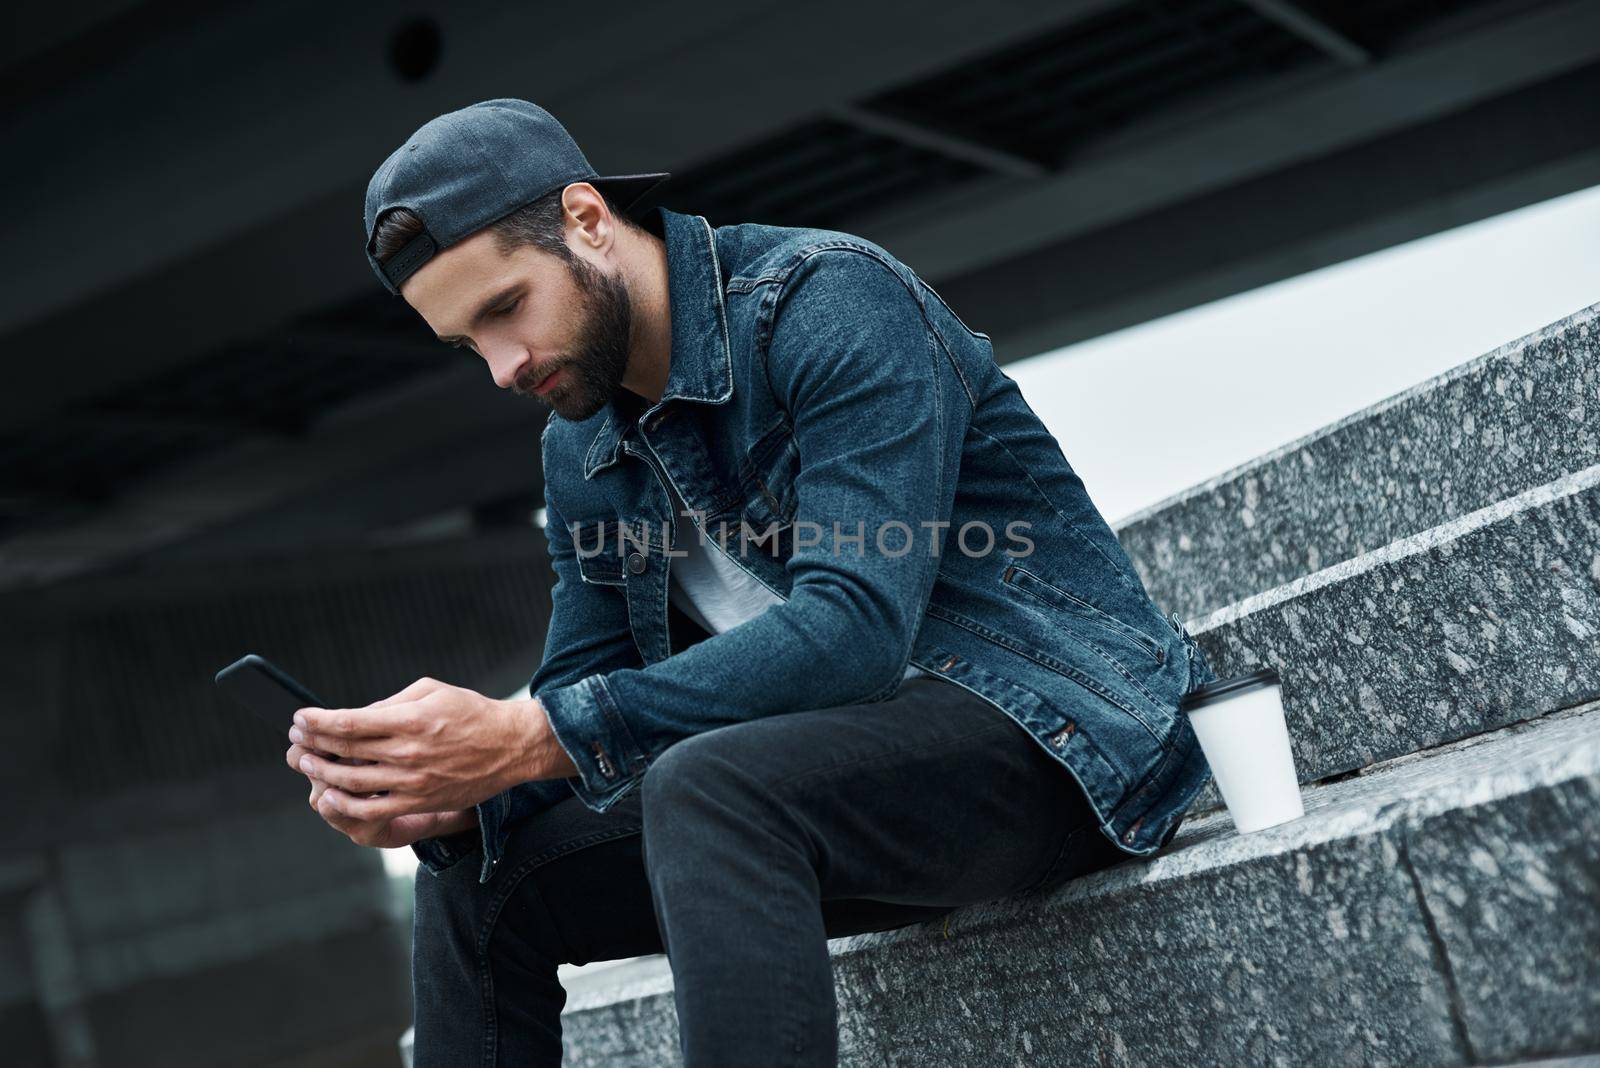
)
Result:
{"points": [[636, 563]]}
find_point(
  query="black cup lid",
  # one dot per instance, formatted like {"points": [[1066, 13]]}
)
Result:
{"points": [[1229, 687]]}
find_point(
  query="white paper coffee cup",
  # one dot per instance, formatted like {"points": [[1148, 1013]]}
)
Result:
{"points": [[1245, 737]]}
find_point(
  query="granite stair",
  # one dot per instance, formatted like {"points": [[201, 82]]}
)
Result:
{"points": [[1492, 428]]}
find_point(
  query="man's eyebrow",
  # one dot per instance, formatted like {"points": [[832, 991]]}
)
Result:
{"points": [[484, 309]]}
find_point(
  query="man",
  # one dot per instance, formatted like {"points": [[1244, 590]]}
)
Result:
{"points": [[838, 641]]}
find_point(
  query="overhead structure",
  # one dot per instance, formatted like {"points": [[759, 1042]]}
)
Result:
{"points": [[199, 365]]}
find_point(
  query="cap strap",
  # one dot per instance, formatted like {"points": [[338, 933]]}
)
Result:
{"points": [[413, 254]]}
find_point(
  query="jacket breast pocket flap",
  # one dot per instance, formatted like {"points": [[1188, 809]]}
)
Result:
{"points": [[599, 546]]}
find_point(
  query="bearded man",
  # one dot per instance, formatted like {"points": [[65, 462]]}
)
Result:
{"points": [[838, 641]]}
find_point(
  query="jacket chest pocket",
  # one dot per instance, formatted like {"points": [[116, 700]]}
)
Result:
{"points": [[767, 479], [601, 551]]}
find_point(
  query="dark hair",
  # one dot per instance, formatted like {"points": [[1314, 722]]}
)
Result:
{"points": [[541, 223]]}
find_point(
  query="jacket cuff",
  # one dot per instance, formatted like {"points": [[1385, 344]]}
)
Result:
{"points": [[437, 854], [589, 726], [446, 851], [523, 801]]}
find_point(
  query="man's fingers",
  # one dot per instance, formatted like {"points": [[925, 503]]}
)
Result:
{"points": [[328, 745], [356, 778], [327, 807], [296, 751], [317, 725], [424, 686], [352, 809]]}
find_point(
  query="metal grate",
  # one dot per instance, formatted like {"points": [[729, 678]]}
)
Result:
{"points": [[1043, 98], [1387, 25], [1035, 101], [817, 174]]}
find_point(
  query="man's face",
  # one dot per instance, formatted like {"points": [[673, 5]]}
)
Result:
{"points": [[537, 320]]}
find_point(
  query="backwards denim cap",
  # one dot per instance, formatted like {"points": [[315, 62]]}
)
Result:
{"points": [[468, 168]]}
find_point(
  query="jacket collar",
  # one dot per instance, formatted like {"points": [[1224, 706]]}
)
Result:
{"points": [[701, 366]]}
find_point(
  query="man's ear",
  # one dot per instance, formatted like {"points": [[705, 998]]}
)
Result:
{"points": [[588, 218]]}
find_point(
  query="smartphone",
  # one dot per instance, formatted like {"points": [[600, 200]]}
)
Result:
{"points": [[273, 695], [267, 690]]}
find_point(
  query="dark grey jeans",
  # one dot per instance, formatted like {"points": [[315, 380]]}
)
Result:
{"points": [[743, 850]]}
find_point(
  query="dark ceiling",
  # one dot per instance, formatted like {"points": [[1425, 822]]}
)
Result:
{"points": [[201, 367]]}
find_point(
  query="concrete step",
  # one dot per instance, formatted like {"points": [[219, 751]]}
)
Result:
{"points": [[1486, 619], [1518, 417], [1441, 909]]}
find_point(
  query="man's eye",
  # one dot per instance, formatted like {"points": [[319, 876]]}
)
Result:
{"points": [[507, 309]]}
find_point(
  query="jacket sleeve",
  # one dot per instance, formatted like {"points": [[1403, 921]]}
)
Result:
{"points": [[437, 854], [879, 415], [588, 633]]}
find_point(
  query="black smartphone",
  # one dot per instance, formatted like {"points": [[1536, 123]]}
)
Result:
{"points": [[267, 690], [273, 695]]}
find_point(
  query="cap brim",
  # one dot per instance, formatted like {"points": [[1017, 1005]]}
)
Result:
{"points": [[628, 190]]}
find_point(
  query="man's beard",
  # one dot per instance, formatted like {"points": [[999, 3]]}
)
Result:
{"points": [[592, 372]]}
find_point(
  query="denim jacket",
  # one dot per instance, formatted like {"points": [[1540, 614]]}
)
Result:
{"points": [[841, 434]]}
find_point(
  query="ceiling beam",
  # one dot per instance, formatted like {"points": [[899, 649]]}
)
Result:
{"points": [[919, 136], [1314, 30]]}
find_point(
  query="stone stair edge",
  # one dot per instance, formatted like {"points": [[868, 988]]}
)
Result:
{"points": [[1412, 545], [1578, 318]]}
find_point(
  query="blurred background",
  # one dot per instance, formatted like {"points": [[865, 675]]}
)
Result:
{"points": [[1195, 230]]}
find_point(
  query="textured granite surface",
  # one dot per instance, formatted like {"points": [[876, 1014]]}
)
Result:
{"points": [[1497, 879], [1410, 918], [622, 1017], [1486, 619], [1516, 418]]}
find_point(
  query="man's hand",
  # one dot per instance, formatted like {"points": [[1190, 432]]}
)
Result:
{"points": [[387, 834], [436, 749]]}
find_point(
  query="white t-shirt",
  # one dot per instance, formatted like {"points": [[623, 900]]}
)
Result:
{"points": [[710, 588]]}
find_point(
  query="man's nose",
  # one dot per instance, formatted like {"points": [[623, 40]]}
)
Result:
{"points": [[506, 366]]}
